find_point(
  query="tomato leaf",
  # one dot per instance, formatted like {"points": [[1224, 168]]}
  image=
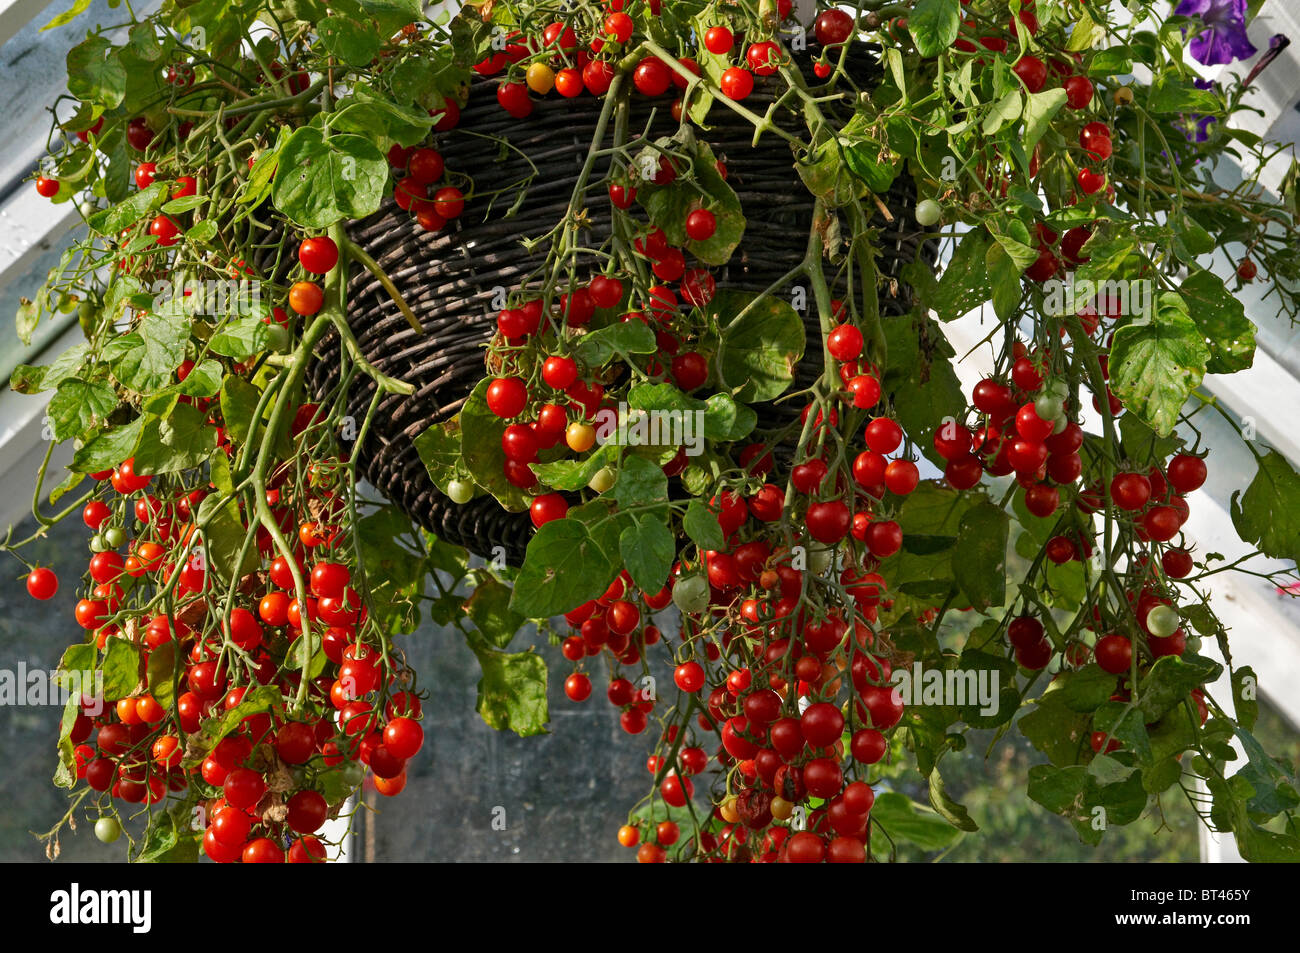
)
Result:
{"points": [[1154, 367], [595, 348], [1267, 515], [979, 558], [564, 566], [320, 181], [109, 448], [121, 668], [762, 343], [78, 406], [96, 73], [934, 25], [1222, 319], [701, 524], [512, 689], [648, 548]]}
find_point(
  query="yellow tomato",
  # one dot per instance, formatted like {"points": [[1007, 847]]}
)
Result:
{"points": [[728, 811], [540, 78], [580, 437], [781, 809]]}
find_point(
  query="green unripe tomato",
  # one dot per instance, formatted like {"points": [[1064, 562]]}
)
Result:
{"points": [[1048, 407], [603, 480], [691, 594], [1058, 388], [98, 544], [114, 537], [353, 771], [277, 337], [1192, 645], [1162, 622], [928, 212], [107, 829], [460, 491]]}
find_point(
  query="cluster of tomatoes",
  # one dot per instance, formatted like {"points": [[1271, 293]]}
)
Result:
{"points": [[573, 57], [263, 786], [420, 169]]}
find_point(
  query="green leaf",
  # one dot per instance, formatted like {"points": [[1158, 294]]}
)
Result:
{"points": [[480, 449], [1040, 108], [1004, 282], [179, 441], [146, 359], [564, 567], [1111, 61], [934, 25], [377, 118], [161, 673], [1119, 720], [1005, 110], [353, 42], [110, 221], [829, 176], [320, 181], [96, 73], [257, 700], [512, 689], [224, 531], [641, 482], [1170, 94], [489, 609], [1170, 680], [109, 448], [1085, 33], [439, 448], [1013, 235], [701, 186], [167, 842], [1267, 515], [964, 284], [724, 419], [595, 348], [1222, 319], [941, 801], [979, 559], [904, 820], [204, 379], [575, 474], [648, 549], [701, 524], [394, 574], [78, 406], [760, 347], [1140, 442], [1154, 367], [67, 16], [241, 338], [121, 668], [1245, 696], [875, 164], [1056, 730], [1085, 690], [239, 401]]}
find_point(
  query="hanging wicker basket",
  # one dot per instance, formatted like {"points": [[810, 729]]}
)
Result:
{"points": [[449, 278]]}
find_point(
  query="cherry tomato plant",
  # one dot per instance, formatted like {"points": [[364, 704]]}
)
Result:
{"points": [[243, 608]]}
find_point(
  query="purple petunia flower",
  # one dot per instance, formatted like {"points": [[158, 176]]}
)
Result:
{"points": [[1224, 37]]}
